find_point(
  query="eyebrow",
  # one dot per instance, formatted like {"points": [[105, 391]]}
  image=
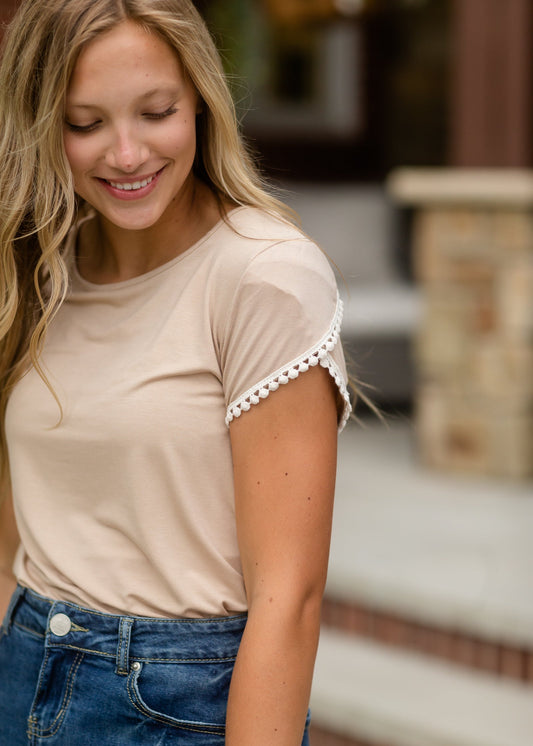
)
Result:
{"points": [[172, 91]]}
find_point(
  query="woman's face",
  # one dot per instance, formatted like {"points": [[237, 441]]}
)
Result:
{"points": [[130, 129]]}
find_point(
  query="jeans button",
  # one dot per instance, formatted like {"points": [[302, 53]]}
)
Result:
{"points": [[60, 625]]}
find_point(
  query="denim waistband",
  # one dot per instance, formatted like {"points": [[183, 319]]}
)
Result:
{"points": [[125, 638]]}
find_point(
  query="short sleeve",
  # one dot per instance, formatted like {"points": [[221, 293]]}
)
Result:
{"points": [[285, 318]]}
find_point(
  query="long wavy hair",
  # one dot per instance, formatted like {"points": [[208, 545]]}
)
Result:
{"points": [[38, 205]]}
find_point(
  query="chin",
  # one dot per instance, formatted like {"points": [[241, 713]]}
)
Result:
{"points": [[134, 221]]}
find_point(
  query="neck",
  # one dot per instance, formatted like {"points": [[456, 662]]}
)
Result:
{"points": [[109, 253]]}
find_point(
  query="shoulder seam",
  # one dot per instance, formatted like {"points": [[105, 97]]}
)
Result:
{"points": [[261, 250]]}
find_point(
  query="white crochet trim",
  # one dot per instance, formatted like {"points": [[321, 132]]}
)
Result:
{"points": [[317, 355]]}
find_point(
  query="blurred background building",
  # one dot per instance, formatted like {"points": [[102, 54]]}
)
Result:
{"points": [[401, 131]]}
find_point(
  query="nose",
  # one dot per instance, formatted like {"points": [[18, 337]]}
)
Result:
{"points": [[127, 151]]}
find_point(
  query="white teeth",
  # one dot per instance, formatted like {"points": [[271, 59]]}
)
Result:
{"points": [[128, 187]]}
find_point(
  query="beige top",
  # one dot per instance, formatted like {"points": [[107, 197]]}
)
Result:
{"points": [[127, 504]]}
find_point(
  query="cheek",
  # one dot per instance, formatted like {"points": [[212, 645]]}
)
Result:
{"points": [[181, 140], [75, 152], [82, 154]]}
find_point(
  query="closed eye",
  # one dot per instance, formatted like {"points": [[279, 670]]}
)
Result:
{"points": [[90, 127], [82, 128], [161, 115]]}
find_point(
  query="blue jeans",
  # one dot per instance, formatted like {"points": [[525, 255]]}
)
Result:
{"points": [[71, 676]]}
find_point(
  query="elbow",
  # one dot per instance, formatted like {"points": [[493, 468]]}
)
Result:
{"points": [[298, 603]]}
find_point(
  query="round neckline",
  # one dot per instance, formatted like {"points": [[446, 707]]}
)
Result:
{"points": [[145, 276]]}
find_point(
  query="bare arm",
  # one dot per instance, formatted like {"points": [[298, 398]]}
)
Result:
{"points": [[9, 541], [284, 453]]}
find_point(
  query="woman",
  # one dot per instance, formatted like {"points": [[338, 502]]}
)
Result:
{"points": [[172, 386]]}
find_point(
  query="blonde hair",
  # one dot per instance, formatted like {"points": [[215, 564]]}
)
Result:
{"points": [[38, 204]]}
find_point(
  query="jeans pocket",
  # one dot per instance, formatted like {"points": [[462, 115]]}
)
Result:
{"points": [[190, 696]]}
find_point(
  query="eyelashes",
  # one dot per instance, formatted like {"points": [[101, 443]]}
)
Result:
{"points": [[153, 116], [162, 115], [78, 128]]}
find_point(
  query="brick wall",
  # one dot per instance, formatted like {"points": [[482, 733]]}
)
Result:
{"points": [[497, 657]]}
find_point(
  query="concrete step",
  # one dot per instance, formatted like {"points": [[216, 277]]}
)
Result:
{"points": [[369, 693], [439, 550]]}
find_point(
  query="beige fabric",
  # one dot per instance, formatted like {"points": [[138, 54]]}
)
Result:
{"points": [[127, 505]]}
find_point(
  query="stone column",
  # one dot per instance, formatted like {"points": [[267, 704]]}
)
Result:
{"points": [[473, 252]]}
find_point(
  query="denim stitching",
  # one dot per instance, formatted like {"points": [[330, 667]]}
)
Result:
{"points": [[212, 730], [77, 628], [120, 641], [39, 685], [155, 620], [32, 719], [187, 660], [122, 656], [52, 729], [41, 732], [159, 624], [82, 650], [30, 732], [150, 660], [120, 645], [29, 630]]}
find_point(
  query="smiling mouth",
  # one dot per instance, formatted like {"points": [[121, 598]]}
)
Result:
{"points": [[132, 186]]}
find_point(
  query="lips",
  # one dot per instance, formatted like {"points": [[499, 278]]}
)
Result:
{"points": [[131, 186], [134, 189]]}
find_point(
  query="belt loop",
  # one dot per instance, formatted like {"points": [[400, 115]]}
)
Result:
{"points": [[18, 593], [123, 647]]}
